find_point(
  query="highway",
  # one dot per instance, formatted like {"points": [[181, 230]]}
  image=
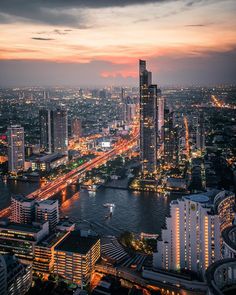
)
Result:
{"points": [[51, 188]]}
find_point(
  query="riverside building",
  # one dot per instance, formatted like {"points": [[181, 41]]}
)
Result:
{"points": [[192, 237]]}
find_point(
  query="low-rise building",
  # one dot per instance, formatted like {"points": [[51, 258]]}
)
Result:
{"points": [[45, 162]]}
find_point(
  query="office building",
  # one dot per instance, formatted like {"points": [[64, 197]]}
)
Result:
{"points": [[16, 148], [48, 210], [149, 95], [15, 277], [76, 128], [53, 130], [192, 237], [22, 210], [75, 257], [20, 239]]}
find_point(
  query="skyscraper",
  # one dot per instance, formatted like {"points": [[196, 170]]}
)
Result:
{"points": [[16, 148], [170, 139], [53, 130], [149, 95]]}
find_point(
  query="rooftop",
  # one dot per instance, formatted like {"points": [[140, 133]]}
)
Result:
{"points": [[48, 202], [77, 244], [199, 198], [51, 240], [21, 198], [30, 228]]}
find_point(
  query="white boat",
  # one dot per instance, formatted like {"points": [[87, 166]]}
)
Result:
{"points": [[109, 205]]}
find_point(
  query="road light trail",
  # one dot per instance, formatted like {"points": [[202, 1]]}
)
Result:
{"points": [[62, 182]]}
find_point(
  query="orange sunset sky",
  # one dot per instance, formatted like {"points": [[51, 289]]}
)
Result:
{"points": [[99, 42]]}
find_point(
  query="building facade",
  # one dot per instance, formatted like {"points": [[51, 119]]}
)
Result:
{"points": [[170, 138], [16, 148], [53, 130], [15, 277], [27, 211], [192, 238], [149, 95], [48, 210], [76, 128], [44, 253], [22, 210], [75, 257], [20, 239]]}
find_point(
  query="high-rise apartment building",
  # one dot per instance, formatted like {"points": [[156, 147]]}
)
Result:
{"points": [[149, 95], [48, 210], [16, 148], [15, 277], [53, 130], [192, 238]]}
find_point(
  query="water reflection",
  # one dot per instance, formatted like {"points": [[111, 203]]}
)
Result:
{"points": [[134, 211]]}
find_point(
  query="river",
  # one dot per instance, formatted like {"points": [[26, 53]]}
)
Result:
{"points": [[134, 211]]}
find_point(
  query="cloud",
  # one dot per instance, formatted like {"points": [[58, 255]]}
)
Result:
{"points": [[66, 12], [197, 25], [42, 39]]}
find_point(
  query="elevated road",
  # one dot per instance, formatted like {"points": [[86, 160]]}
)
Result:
{"points": [[62, 182]]}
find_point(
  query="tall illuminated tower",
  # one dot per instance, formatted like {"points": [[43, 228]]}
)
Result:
{"points": [[16, 148], [149, 95]]}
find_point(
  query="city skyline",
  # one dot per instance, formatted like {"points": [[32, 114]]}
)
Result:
{"points": [[72, 44], [117, 147]]}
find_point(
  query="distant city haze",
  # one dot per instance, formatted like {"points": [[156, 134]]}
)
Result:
{"points": [[97, 43]]}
